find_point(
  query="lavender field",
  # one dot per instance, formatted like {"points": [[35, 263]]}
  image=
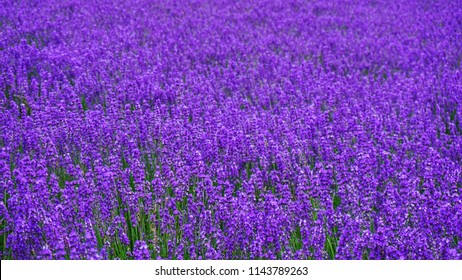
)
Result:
{"points": [[282, 129]]}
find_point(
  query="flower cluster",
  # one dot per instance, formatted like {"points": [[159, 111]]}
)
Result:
{"points": [[281, 129]]}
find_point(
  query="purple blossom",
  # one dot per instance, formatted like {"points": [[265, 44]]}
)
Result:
{"points": [[230, 130]]}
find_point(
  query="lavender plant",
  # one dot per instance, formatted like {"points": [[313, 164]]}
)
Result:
{"points": [[280, 129]]}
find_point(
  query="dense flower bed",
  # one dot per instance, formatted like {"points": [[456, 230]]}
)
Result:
{"points": [[231, 129]]}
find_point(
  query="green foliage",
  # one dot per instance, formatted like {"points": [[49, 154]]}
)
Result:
{"points": [[295, 241], [336, 202], [331, 244]]}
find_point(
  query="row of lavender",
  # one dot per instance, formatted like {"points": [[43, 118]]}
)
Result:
{"points": [[230, 130]]}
